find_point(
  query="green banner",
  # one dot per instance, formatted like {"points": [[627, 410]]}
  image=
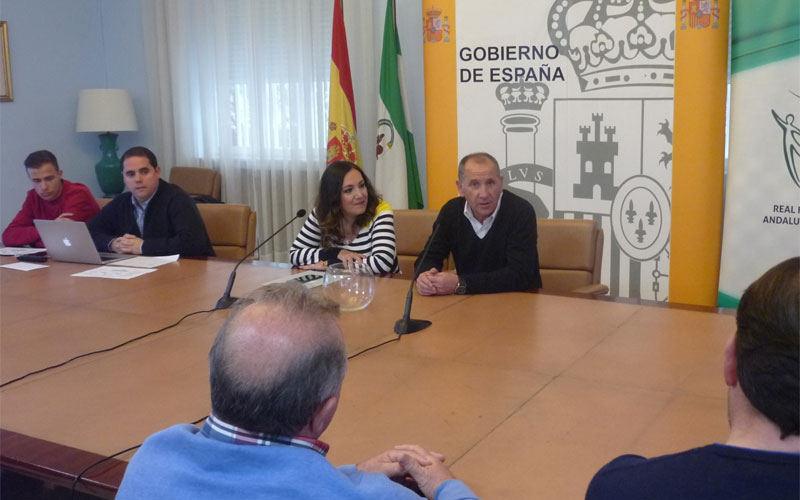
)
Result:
{"points": [[762, 201]]}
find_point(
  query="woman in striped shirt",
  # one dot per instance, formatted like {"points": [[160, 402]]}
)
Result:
{"points": [[349, 224]]}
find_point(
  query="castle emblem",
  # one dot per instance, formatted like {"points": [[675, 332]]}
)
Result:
{"points": [[616, 43], [436, 29], [597, 161]]}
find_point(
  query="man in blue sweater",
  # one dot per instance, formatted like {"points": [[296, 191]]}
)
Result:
{"points": [[276, 372], [761, 458], [490, 232]]}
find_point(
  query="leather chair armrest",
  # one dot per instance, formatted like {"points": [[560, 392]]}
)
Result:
{"points": [[593, 289]]}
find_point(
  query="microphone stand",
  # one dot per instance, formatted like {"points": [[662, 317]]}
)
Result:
{"points": [[406, 325], [226, 301]]}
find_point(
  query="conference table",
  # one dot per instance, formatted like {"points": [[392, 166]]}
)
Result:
{"points": [[527, 394]]}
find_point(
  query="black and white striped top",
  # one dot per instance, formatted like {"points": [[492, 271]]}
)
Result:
{"points": [[376, 240]]}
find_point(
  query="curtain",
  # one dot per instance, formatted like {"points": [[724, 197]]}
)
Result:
{"points": [[241, 86]]}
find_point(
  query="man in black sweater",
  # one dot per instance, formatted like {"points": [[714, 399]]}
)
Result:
{"points": [[761, 457], [490, 232], [153, 218]]}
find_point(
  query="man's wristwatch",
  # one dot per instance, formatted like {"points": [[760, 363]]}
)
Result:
{"points": [[461, 287]]}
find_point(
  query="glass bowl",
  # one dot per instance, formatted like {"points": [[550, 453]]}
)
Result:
{"points": [[353, 287]]}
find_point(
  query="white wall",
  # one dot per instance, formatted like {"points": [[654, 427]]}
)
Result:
{"points": [[57, 48]]}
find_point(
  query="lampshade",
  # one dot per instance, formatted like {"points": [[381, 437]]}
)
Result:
{"points": [[105, 110]]}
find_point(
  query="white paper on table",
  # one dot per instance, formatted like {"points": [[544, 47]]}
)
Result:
{"points": [[24, 266], [114, 272], [148, 262], [14, 251]]}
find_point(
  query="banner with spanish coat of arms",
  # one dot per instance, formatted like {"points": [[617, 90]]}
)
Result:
{"points": [[575, 100]]}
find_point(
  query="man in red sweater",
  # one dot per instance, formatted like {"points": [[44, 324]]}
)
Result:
{"points": [[51, 198]]}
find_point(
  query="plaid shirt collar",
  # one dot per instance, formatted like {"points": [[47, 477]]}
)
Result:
{"points": [[215, 428]]}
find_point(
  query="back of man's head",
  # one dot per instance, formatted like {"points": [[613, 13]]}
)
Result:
{"points": [[768, 344], [278, 356], [39, 158]]}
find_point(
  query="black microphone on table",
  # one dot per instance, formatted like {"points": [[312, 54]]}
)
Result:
{"points": [[405, 324], [226, 300]]}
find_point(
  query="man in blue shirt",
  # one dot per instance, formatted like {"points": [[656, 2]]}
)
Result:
{"points": [[761, 458], [276, 372]]}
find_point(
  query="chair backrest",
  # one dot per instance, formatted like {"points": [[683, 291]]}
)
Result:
{"points": [[197, 181], [231, 228], [570, 253], [412, 229], [101, 202]]}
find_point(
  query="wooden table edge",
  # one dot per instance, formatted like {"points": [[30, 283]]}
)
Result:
{"points": [[59, 464], [639, 302]]}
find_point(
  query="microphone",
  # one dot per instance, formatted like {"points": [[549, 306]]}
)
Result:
{"points": [[226, 300], [406, 325]]}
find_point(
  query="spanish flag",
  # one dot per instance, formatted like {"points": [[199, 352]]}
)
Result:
{"points": [[342, 138]]}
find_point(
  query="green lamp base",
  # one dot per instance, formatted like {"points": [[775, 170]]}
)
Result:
{"points": [[109, 173]]}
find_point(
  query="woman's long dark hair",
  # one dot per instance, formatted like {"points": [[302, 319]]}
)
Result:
{"points": [[329, 202]]}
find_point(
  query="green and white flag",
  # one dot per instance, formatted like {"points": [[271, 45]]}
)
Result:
{"points": [[396, 173], [762, 199]]}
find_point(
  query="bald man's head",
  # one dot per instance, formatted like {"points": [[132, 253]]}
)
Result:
{"points": [[277, 357]]}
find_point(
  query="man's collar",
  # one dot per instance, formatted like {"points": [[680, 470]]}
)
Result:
{"points": [[143, 205], [469, 215], [215, 428]]}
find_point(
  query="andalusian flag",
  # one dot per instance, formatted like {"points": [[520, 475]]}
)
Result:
{"points": [[342, 138], [396, 173]]}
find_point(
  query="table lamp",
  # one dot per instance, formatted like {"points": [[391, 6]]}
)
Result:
{"points": [[106, 111]]}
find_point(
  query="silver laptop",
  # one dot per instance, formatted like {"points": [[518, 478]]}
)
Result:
{"points": [[70, 241]]}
